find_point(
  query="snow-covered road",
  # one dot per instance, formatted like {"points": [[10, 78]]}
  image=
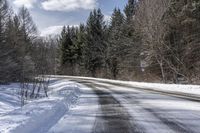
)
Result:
{"points": [[128, 110], [102, 106]]}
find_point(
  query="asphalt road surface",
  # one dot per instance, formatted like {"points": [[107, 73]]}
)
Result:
{"points": [[115, 108]]}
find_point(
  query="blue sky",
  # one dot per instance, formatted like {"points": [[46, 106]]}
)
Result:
{"points": [[51, 15]]}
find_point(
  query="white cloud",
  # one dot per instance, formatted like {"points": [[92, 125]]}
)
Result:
{"points": [[53, 30], [107, 18], [69, 5], [26, 3]]}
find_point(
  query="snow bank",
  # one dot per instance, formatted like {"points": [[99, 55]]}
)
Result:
{"points": [[39, 115], [9, 98], [176, 89], [192, 90]]}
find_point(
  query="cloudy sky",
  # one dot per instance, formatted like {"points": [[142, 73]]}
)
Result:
{"points": [[51, 15]]}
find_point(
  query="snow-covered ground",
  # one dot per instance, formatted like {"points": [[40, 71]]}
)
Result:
{"points": [[9, 98], [85, 105], [38, 115]]}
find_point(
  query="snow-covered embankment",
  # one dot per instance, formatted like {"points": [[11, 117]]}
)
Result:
{"points": [[41, 114]]}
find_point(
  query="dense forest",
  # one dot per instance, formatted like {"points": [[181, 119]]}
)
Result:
{"points": [[150, 40]]}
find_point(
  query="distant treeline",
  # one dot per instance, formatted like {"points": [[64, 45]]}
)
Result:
{"points": [[155, 40]]}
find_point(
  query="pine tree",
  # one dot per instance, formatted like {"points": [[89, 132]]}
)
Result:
{"points": [[132, 47], [69, 47], [115, 42], [95, 42], [28, 27], [62, 41], [68, 50], [130, 9], [129, 23], [12, 40], [80, 44], [6, 61], [27, 33], [15, 56]]}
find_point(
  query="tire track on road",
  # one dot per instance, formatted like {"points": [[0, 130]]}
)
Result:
{"points": [[113, 117], [174, 125]]}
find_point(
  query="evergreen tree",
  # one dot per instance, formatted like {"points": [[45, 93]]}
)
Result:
{"points": [[95, 42], [130, 9], [66, 46], [62, 41], [28, 27], [132, 47], [80, 44], [129, 23], [27, 33], [12, 39], [68, 50], [6, 61], [116, 43], [15, 57], [69, 47]]}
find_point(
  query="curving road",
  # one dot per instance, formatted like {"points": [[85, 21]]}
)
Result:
{"points": [[112, 108]]}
